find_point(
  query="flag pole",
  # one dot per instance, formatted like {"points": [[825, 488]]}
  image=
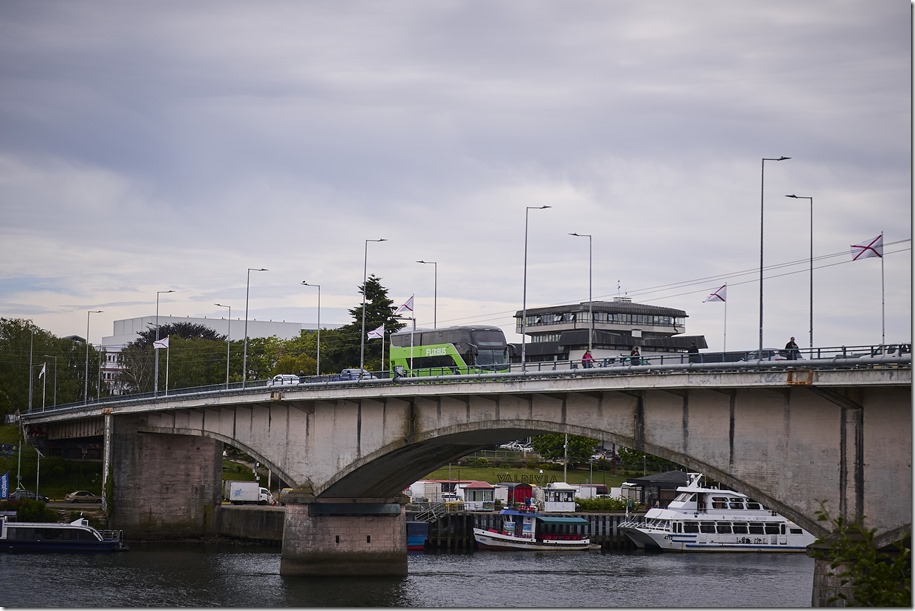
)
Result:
{"points": [[168, 352], [724, 347], [882, 299]]}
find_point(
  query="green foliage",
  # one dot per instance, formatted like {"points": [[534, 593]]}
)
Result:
{"points": [[878, 578], [28, 510], [634, 461], [551, 447]]}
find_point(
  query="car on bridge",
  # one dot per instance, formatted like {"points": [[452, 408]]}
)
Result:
{"points": [[284, 379], [770, 354], [353, 374]]}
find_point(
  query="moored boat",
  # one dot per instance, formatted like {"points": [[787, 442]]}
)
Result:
{"points": [[708, 519], [528, 530], [77, 536]]}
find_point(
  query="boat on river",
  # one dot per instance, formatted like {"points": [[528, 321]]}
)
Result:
{"points": [[77, 536], [709, 519], [525, 529]]}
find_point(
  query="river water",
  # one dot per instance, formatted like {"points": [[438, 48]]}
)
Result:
{"points": [[223, 575]]}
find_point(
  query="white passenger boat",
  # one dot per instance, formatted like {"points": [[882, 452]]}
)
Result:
{"points": [[77, 536], [704, 519], [528, 530]]}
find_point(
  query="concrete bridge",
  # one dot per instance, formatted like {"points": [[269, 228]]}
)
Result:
{"points": [[792, 435]]}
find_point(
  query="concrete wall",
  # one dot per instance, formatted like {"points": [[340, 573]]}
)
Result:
{"points": [[164, 486], [344, 545], [257, 523]]}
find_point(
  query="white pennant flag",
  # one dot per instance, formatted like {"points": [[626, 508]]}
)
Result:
{"points": [[162, 343], [376, 333], [407, 307], [719, 295], [41, 373], [871, 248]]}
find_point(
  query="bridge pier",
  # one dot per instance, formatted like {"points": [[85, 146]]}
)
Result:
{"points": [[163, 486], [344, 537]]}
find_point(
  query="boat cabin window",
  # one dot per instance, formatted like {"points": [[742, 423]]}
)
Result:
{"points": [[740, 528], [690, 527], [719, 502], [735, 504], [707, 527], [685, 497], [756, 528], [795, 531], [724, 528], [50, 534], [753, 504], [773, 528]]}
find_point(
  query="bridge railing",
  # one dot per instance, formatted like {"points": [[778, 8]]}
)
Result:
{"points": [[842, 357]]}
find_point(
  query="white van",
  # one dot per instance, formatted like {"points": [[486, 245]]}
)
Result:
{"points": [[284, 379]]}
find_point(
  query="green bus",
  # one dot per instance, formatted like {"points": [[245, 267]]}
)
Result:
{"points": [[449, 351]]}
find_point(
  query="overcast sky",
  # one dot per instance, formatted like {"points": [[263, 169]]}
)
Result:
{"points": [[152, 146]]}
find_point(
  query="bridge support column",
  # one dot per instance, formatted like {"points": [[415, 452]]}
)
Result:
{"points": [[344, 538]]}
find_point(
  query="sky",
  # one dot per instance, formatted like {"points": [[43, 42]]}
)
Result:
{"points": [[171, 146]]}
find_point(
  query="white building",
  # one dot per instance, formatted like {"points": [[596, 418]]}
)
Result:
{"points": [[128, 330]]}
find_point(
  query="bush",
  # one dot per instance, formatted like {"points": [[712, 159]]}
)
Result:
{"points": [[29, 510], [878, 578]]}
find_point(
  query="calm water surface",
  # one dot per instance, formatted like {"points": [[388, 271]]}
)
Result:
{"points": [[214, 575]]}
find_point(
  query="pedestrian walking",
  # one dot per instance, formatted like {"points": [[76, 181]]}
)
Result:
{"points": [[587, 361], [792, 350]]}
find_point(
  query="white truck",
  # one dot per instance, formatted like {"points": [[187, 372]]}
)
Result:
{"points": [[239, 493]]}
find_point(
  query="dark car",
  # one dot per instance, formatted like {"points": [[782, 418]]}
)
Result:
{"points": [[18, 495], [353, 374], [82, 496]]}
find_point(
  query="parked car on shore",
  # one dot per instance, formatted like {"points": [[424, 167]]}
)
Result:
{"points": [[82, 496], [18, 495]]}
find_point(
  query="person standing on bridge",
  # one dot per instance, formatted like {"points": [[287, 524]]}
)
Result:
{"points": [[635, 358], [587, 361], [792, 349]]}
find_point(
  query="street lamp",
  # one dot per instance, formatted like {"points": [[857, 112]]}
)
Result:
{"points": [[156, 384], [50, 356], [524, 298], [228, 340], [244, 360], [762, 184], [365, 266], [318, 286], [435, 293], [590, 311], [86, 389], [811, 260]]}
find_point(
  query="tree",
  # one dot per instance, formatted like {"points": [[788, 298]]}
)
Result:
{"points": [[199, 350], [633, 460], [22, 343], [876, 578], [344, 344], [551, 447]]}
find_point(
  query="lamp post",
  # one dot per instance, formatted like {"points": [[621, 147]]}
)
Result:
{"points": [[365, 266], [86, 389], [244, 359], [590, 311], [156, 383], [318, 286], [228, 340], [50, 356], [527, 210], [38, 472], [762, 184], [811, 261], [435, 293]]}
